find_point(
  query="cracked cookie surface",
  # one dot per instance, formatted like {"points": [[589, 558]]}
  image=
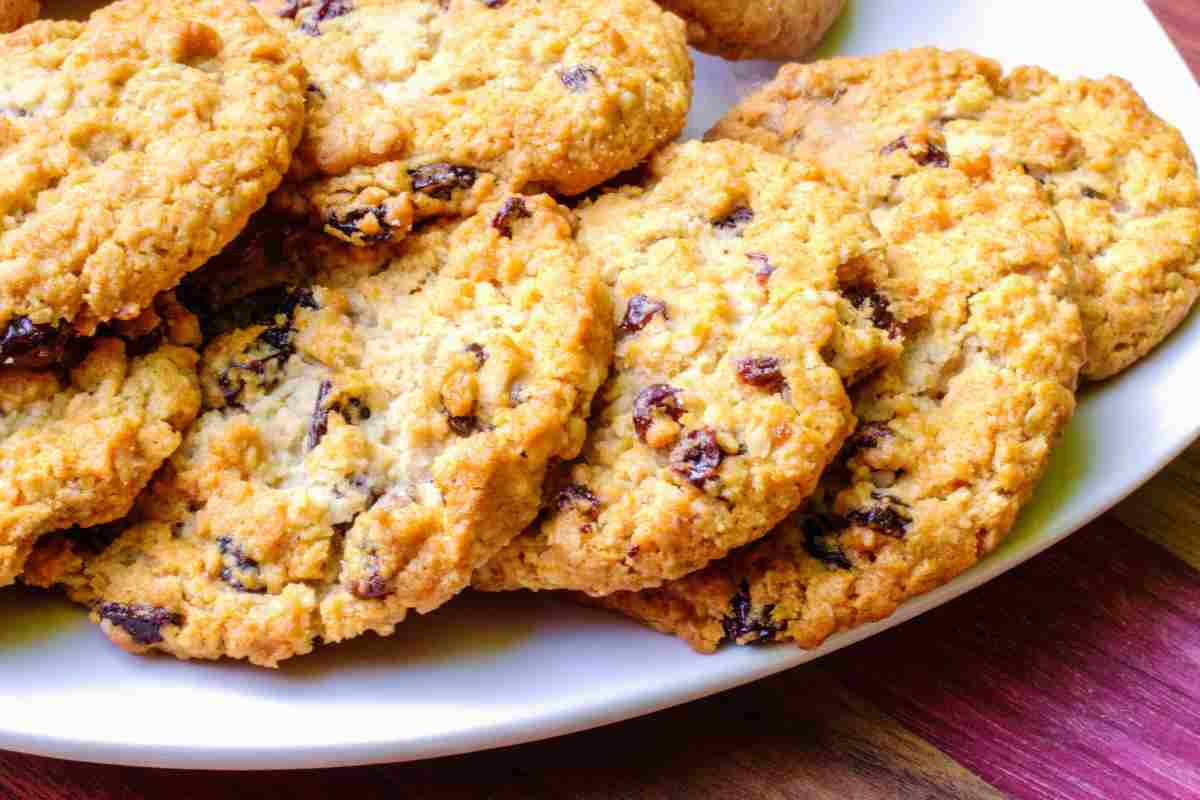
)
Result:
{"points": [[136, 145], [85, 423], [952, 437], [1122, 180], [771, 29], [371, 440], [425, 108], [744, 290]]}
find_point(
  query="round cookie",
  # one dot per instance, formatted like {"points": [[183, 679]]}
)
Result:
{"points": [[15, 13], [424, 108], [744, 290], [1122, 180], [377, 436], [952, 437], [771, 29], [85, 423], [136, 145]]}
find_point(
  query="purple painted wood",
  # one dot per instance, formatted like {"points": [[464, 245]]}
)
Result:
{"points": [[1076, 676]]}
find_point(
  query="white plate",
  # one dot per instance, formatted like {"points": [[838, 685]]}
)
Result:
{"points": [[491, 671]]}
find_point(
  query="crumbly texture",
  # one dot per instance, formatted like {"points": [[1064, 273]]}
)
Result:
{"points": [[1122, 180], [135, 146], [952, 437], [740, 284], [772, 29], [15, 13], [78, 444], [374, 439], [425, 108]]}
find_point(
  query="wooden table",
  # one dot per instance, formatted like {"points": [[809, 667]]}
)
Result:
{"points": [[1074, 676]]}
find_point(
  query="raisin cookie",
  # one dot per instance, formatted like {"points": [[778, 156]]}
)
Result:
{"points": [[15, 13], [84, 423], [423, 108], [1122, 180], [772, 29], [744, 289], [367, 445], [136, 145], [952, 436]]}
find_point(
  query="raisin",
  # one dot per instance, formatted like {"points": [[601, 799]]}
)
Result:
{"points": [[743, 626], [144, 623], [463, 426], [881, 519], [348, 224], [697, 457], [639, 311], [494, 3], [32, 346], [355, 411], [290, 9], [932, 156], [1092, 194], [236, 561], [732, 223], [477, 350], [13, 111], [373, 587], [320, 417], [440, 180], [312, 88], [880, 312], [891, 147], [820, 539], [762, 267], [577, 78], [581, 498], [762, 371], [659, 395], [514, 208], [327, 10], [868, 436]]}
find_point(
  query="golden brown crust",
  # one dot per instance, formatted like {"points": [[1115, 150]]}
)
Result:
{"points": [[771, 29], [15, 13]]}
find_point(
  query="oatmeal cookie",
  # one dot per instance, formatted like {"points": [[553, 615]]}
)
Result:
{"points": [[424, 108], [136, 145], [744, 291], [1122, 180], [373, 439], [15, 13], [772, 29], [84, 423], [952, 437]]}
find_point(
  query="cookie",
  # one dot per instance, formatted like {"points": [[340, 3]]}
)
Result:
{"points": [[1122, 180], [15, 13], [84, 423], [744, 290], [425, 108], [136, 145], [772, 29], [378, 435], [952, 437]]}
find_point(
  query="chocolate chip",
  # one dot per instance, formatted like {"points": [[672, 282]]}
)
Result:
{"points": [[697, 457], [762, 372], [31, 345], [877, 307], [881, 519], [656, 396], [142, 622], [235, 561], [743, 626], [577, 78], [581, 498], [514, 208], [732, 223], [639, 311], [762, 267], [477, 350], [440, 180], [932, 155], [867, 437], [327, 10], [820, 539], [320, 417], [348, 224]]}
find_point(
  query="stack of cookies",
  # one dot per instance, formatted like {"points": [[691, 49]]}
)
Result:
{"points": [[317, 312]]}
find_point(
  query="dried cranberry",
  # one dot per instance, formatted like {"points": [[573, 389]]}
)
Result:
{"points": [[762, 267], [440, 180], [327, 10], [142, 622], [348, 224], [514, 208], [639, 311], [880, 312], [578, 497], [658, 395], [732, 223], [697, 457], [743, 626], [577, 78], [881, 519], [762, 371], [820, 539]]}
